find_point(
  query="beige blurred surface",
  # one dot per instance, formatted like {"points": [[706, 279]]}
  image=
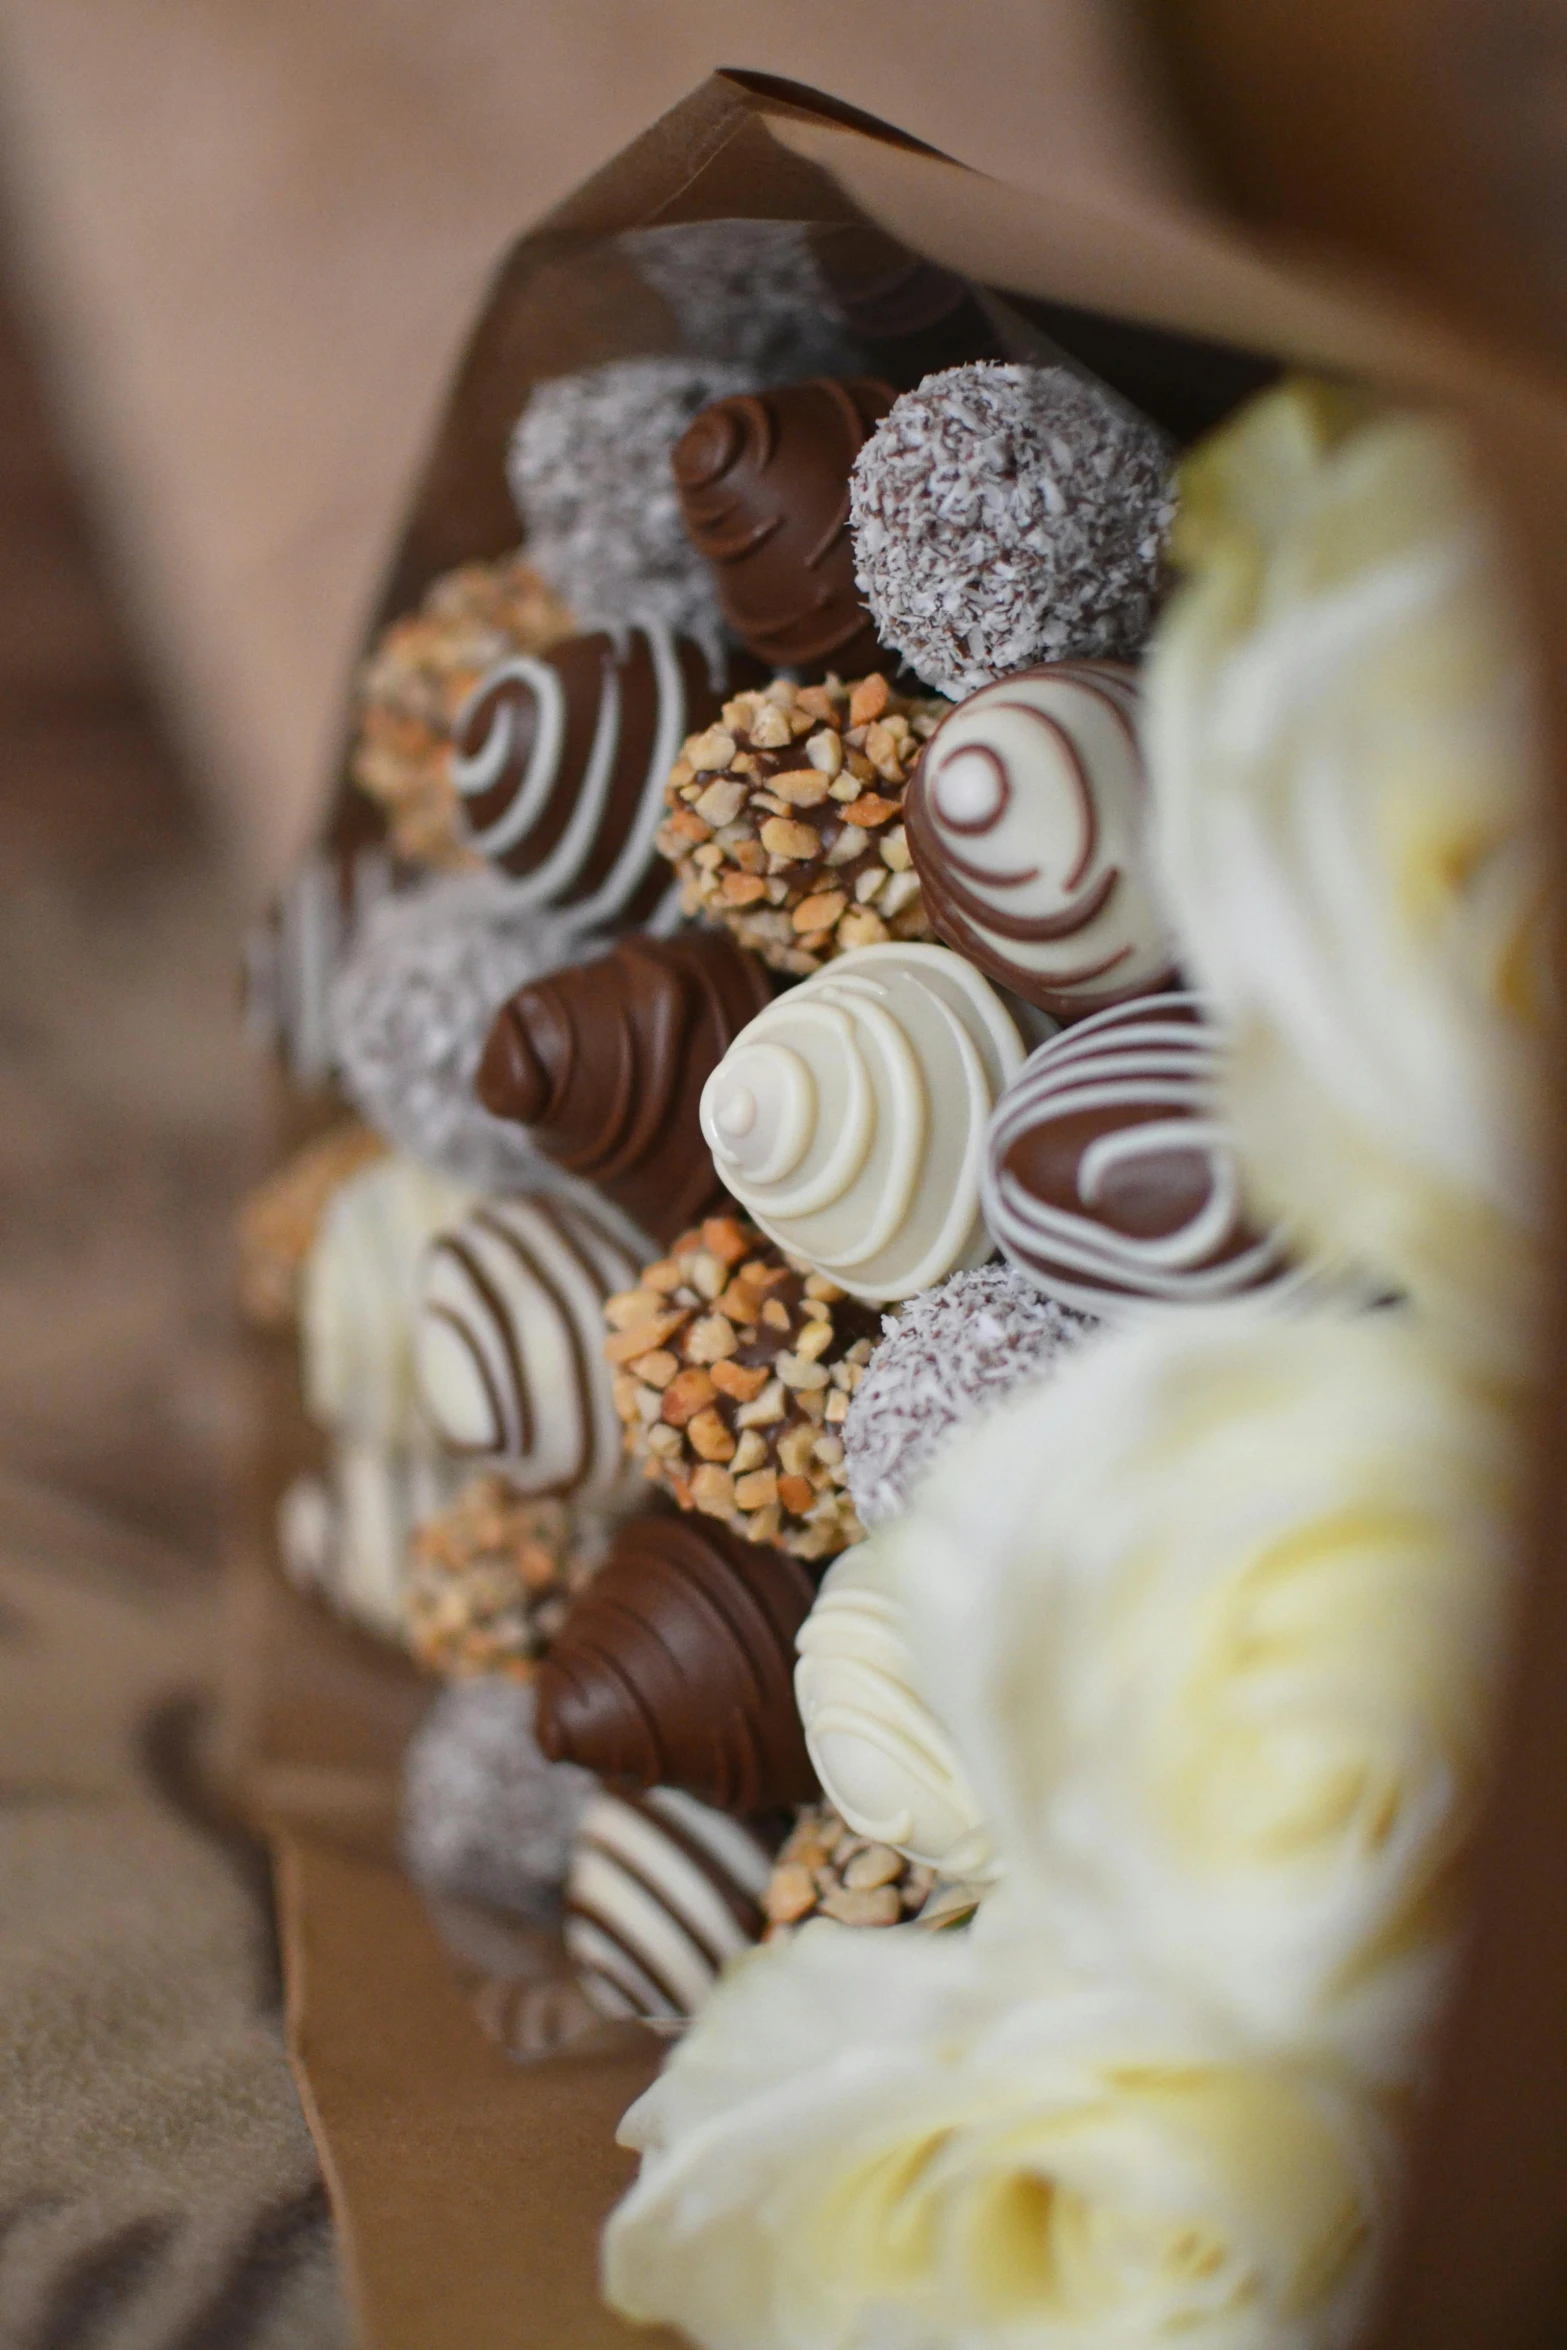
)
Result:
{"points": [[256, 235], [157, 2182]]}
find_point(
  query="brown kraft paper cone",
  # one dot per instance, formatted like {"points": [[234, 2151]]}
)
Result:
{"points": [[470, 2191]]}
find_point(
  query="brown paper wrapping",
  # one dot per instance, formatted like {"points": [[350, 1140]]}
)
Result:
{"points": [[469, 2190]]}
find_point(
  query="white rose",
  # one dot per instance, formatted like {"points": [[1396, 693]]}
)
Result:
{"points": [[1346, 775], [358, 1299], [883, 1759], [1213, 1622], [907, 2142]]}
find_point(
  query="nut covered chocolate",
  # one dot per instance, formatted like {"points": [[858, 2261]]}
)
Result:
{"points": [[561, 763], [1027, 819], [786, 819], [827, 1869], [605, 1062], [764, 489], [1111, 1180], [675, 1668], [490, 1579], [734, 1371]]}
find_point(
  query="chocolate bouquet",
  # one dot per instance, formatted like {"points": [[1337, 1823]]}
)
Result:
{"points": [[928, 1317]]}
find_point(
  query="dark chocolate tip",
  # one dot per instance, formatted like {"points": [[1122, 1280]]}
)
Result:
{"points": [[550, 1733], [763, 480], [511, 1081], [675, 1668], [708, 446]]}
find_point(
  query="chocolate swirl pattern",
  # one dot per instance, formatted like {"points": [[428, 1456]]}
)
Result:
{"points": [[764, 489], [660, 1894], [674, 1668], [508, 1342], [885, 1762], [605, 1062], [561, 762], [849, 1118], [1027, 825], [1111, 1182]]}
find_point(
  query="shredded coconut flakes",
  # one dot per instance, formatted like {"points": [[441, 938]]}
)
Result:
{"points": [[1007, 515], [951, 1353]]}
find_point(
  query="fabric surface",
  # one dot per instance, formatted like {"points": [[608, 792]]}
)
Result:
{"points": [[158, 2186]]}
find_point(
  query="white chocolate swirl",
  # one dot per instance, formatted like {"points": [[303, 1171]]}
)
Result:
{"points": [[849, 1118], [1026, 821], [883, 1758], [509, 1342], [1112, 1182]]}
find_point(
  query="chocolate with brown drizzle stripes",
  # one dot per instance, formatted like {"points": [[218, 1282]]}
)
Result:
{"points": [[1111, 1181], [508, 1341], [764, 488], [675, 1667], [1027, 824], [661, 1893], [605, 1063], [561, 762]]}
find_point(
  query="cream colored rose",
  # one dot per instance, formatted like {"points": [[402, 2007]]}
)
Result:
{"points": [[882, 1757], [1213, 1620], [906, 2142], [359, 1296], [1343, 754]]}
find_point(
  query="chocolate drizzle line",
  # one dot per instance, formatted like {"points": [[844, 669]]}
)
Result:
{"points": [[970, 917], [1110, 1172], [744, 1912], [587, 1439], [613, 703], [943, 891], [641, 1960], [454, 1246]]}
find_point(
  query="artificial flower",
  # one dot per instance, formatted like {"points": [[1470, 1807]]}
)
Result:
{"points": [[1213, 1622], [1343, 753], [907, 2142]]}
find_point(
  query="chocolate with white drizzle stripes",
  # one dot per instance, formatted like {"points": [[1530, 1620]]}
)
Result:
{"points": [[509, 1337], [561, 762], [1027, 822], [1111, 1182], [661, 1892]]}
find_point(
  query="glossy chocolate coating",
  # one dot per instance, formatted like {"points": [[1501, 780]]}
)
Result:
{"points": [[561, 761], [605, 1063], [1112, 1181], [764, 487], [675, 1668]]}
